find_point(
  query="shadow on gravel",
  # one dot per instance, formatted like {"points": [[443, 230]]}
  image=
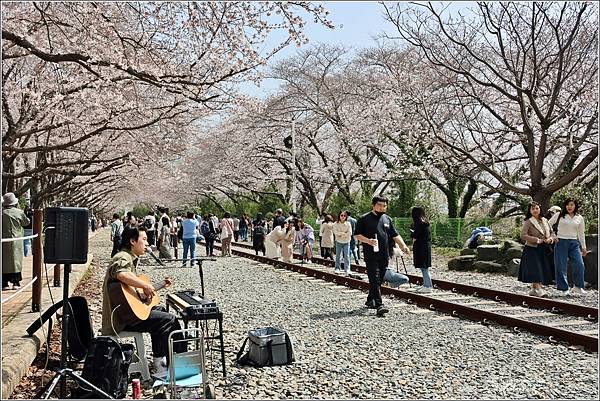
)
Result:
{"points": [[340, 314]]}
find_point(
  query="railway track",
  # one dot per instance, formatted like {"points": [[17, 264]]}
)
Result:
{"points": [[558, 321]]}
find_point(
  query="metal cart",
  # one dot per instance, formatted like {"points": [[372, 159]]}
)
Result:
{"points": [[187, 376]]}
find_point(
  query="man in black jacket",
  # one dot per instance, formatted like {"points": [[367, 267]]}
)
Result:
{"points": [[376, 231]]}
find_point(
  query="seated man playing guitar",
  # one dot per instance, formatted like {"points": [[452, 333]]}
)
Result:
{"points": [[129, 300]]}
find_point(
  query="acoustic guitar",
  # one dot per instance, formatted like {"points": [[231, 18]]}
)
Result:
{"points": [[134, 305]]}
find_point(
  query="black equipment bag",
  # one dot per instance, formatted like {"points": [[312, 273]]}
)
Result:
{"points": [[106, 367], [269, 346], [80, 331]]}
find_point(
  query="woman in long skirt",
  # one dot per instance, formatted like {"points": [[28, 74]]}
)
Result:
{"points": [[535, 265]]}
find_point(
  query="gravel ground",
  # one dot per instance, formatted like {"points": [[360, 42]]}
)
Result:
{"points": [[502, 282], [344, 351]]}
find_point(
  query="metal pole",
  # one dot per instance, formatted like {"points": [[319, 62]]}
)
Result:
{"points": [[36, 290], [293, 192]]}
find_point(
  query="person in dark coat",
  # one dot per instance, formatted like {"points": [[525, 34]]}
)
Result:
{"points": [[258, 236], [421, 235]]}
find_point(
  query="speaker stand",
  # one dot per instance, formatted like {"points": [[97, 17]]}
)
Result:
{"points": [[64, 371]]}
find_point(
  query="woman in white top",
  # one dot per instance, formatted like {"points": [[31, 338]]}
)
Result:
{"points": [[342, 229], [571, 245]]}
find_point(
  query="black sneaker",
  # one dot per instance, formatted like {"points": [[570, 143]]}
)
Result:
{"points": [[382, 310]]}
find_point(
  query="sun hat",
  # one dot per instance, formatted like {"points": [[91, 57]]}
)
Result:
{"points": [[9, 199]]}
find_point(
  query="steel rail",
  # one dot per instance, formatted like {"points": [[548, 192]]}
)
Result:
{"points": [[528, 301], [554, 334]]}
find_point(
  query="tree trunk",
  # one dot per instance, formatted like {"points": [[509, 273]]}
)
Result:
{"points": [[467, 198], [452, 195], [543, 198]]}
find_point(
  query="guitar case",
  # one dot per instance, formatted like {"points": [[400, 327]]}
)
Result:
{"points": [[80, 330]]}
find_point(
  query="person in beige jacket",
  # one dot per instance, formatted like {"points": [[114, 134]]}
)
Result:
{"points": [[287, 242], [326, 233], [536, 267], [343, 234]]}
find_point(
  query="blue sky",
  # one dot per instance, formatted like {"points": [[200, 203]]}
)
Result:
{"points": [[357, 24]]}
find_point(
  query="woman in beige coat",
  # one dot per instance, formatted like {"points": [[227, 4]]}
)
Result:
{"points": [[326, 233], [535, 265], [287, 242]]}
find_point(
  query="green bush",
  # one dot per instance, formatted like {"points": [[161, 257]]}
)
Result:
{"points": [[140, 210]]}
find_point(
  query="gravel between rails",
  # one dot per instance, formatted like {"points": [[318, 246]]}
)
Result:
{"points": [[344, 351], [503, 282]]}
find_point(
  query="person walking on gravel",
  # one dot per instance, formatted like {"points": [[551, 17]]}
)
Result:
{"points": [[571, 245], [376, 231], [342, 231]]}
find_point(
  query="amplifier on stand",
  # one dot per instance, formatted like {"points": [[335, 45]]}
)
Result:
{"points": [[66, 235]]}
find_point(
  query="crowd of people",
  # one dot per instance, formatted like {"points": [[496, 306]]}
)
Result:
{"points": [[550, 242]]}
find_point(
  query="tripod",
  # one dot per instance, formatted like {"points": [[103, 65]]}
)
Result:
{"points": [[64, 372]]}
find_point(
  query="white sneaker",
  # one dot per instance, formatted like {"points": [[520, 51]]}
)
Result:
{"points": [[578, 291], [337, 271], [425, 290], [563, 293], [533, 292]]}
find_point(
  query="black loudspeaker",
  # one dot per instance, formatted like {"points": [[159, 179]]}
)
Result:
{"points": [[66, 235]]}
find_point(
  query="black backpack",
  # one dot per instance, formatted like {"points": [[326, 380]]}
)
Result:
{"points": [[259, 230], [148, 224], [204, 228], [106, 367]]}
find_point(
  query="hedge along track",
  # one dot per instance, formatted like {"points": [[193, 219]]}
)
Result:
{"points": [[517, 319]]}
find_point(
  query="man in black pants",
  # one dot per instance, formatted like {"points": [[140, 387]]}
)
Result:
{"points": [[160, 323], [376, 231]]}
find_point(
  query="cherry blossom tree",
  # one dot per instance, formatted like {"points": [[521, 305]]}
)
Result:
{"points": [[93, 90], [523, 80], [404, 77]]}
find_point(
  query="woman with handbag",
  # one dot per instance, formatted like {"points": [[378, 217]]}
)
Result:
{"points": [[535, 265]]}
